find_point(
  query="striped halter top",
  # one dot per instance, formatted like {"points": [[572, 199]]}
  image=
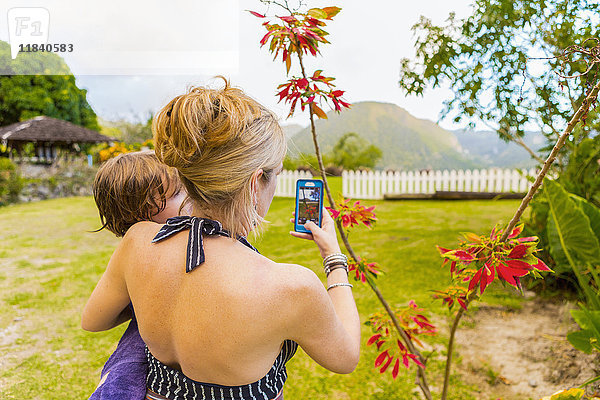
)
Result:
{"points": [[173, 384]]}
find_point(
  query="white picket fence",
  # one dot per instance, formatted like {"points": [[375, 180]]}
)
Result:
{"points": [[286, 182], [373, 185]]}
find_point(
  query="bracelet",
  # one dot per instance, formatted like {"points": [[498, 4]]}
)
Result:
{"points": [[336, 257], [331, 266], [339, 284], [329, 270]]}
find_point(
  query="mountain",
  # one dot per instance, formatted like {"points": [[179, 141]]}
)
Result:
{"points": [[407, 142], [291, 129], [488, 149]]}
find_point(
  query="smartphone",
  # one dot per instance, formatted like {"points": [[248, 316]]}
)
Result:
{"points": [[309, 203]]}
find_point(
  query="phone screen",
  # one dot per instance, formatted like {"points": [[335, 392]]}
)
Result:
{"points": [[309, 201]]}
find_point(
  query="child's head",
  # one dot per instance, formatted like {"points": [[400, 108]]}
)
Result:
{"points": [[134, 187]]}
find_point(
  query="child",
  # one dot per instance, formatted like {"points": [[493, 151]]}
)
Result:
{"points": [[130, 188]]}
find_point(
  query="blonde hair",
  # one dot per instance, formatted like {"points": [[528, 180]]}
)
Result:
{"points": [[217, 139], [133, 187]]}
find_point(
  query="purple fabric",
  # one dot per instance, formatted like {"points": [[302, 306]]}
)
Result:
{"points": [[128, 368]]}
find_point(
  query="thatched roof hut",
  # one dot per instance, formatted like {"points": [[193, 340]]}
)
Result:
{"points": [[48, 136]]}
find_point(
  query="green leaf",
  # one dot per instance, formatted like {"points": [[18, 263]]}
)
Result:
{"points": [[589, 381], [580, 317], [581, 340], [317, 13], [574, 234], [572, 224], [591, 211], [571, 394]]}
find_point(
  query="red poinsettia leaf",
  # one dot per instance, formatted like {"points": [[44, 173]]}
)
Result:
{"points": [[462, 304], [288, 18], [452, 267], [474, 280], [416, 360], [302, 83], [464, 255], [519, 251], [385, 366], [519, 284], [400, 345], [256, 14], [516, 232], [492, 275], [337, 93], [442, 250], [396, 369], [405, 360], [380, 343], [373, 339], [527, 239], [483, 282], [505, 274], [541, 266], [310, 34], [380, 358], [264, 39], [518, 264]]}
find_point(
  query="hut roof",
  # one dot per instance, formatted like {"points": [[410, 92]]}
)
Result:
{"points": [[47, 129]]}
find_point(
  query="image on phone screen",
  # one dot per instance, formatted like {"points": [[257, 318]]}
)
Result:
{"points": [[308, 204]]}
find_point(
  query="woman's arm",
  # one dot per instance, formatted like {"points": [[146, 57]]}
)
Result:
{"points": [[327, 322], [107, 306]]}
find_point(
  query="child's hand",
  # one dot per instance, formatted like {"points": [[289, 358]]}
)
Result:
{"points": [[324, 237]]}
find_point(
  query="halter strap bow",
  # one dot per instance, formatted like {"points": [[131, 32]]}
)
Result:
{"points": [[197, 227]]}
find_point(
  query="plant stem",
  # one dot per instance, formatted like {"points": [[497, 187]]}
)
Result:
{"points": [[421, 377], [581, 111], [459, 315]]}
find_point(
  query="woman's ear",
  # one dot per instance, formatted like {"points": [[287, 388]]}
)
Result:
{"points": [[254, 184]]}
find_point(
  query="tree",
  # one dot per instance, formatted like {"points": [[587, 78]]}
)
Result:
{"points": [[24, 96], [128, 132], [484, 59], [353, 152]]}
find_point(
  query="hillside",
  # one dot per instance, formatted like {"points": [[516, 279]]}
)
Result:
{"points": [[491, 151], [406, 141]]}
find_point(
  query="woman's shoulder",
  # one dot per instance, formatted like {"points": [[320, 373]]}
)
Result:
{"points": [[297, 280], [137, 239], [141, 231]]}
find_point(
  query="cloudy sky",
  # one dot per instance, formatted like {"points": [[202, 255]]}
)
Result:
{"points": [[208, 38]]}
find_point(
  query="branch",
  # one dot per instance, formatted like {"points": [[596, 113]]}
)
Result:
{"points": [[421, 377], [583, 109], [518, 141]]}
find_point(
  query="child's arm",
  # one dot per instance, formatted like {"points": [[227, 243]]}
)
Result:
{"points": [[107, 306]]}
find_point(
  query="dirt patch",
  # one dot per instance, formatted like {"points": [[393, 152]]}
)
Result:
{"points": [[522, 354]]}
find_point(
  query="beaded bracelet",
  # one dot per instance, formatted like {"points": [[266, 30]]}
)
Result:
{"points": [[336, 257], [329, 270], [339, 284]]}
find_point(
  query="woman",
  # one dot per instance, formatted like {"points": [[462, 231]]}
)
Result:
{"points": [[219, 319]]}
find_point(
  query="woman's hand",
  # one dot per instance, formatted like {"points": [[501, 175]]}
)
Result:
{"points": [[324, 237]]}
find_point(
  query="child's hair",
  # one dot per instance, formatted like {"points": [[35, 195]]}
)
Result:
{"points": [[133, 187]]}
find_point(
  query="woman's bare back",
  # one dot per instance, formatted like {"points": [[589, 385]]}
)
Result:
{"points": [[224, 321]]}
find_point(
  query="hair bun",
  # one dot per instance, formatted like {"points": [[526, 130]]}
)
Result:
{"points": [[217, 138]]}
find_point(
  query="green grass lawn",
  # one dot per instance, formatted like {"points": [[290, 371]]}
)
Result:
{"points": [[50, 262]]}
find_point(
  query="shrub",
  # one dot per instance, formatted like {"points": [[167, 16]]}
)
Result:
{"points": [[10, 181]]}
